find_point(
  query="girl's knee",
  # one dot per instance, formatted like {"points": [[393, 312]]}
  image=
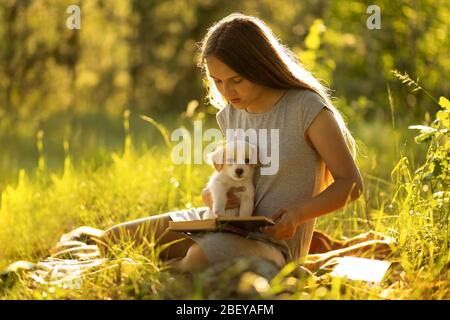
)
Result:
{"points": [[106, 240], [112, 234], [195, 259]]}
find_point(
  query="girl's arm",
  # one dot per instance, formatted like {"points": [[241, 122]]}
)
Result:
{"points": [[232, 200], [206, 197], [326, 137]]}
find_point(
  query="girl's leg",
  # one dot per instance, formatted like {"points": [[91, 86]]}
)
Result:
{"points": [[375, 249], [322, 243], [194, 261], [152, 229]]}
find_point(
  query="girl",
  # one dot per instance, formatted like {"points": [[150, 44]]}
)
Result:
{"points": [[256, 82]]}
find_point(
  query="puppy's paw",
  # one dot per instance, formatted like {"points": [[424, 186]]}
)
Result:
{"points": [[246, 208], [246, 212], [219, 213], [209, 215], [231, 213]]}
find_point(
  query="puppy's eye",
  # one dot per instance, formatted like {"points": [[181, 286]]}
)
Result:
{"points": [[247, 160]]}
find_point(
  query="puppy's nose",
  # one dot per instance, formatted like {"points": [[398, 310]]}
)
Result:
{"points": [[239, 171]]}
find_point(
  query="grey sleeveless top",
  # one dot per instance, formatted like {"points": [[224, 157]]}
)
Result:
{"points": [[301, 170]]}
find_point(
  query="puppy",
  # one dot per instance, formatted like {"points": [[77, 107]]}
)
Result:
{"points": [[234, 165]]}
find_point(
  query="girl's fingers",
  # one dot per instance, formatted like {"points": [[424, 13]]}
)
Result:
{"points": [[235, 189], [232, 197], [231, 205], [232, 200], [235, 202]]}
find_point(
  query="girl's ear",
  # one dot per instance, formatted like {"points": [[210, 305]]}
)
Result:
{"points": [[216, 158]]}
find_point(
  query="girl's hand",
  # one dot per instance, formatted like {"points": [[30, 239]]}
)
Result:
{"points": [[206, 197], [286, 223], [232, 200]]}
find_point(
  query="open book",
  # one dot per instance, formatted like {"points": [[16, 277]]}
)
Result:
{"points": [[239, 225], [361, 269]]}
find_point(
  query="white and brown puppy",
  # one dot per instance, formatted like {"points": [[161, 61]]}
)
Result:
{"points": [[235, 163]]}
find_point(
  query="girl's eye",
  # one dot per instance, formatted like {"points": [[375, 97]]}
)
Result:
{"points": [[234, 81]]}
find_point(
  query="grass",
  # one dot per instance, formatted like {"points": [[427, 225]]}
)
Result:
{"points": [[403, 199]]}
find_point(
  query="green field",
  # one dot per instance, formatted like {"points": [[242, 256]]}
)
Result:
{"points": [[76, 151], [401, 199]]}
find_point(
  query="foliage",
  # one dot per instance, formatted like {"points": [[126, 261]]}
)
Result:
{"points": [[64, 164], [141, 55], [35, 213], [422, 201]]}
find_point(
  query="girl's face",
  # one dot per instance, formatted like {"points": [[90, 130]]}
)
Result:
{"points": [[237, 90]]}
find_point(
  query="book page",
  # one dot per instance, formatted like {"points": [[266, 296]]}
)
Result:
{"points": [[185, 215], [361, 269]]}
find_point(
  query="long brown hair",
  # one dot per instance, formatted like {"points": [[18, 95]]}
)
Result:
{"points": [[249, 47]]}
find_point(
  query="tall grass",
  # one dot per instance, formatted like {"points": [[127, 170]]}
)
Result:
{"points": [[411, 204]]}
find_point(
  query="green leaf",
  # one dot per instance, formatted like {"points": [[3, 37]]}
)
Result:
{"points": [[437, 168], [444, 103], [312, 40], [425, 129], [424, 136], [164, 132], [444, 117]]}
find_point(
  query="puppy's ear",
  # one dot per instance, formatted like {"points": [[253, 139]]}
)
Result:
{"points": [[216, 158]]}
